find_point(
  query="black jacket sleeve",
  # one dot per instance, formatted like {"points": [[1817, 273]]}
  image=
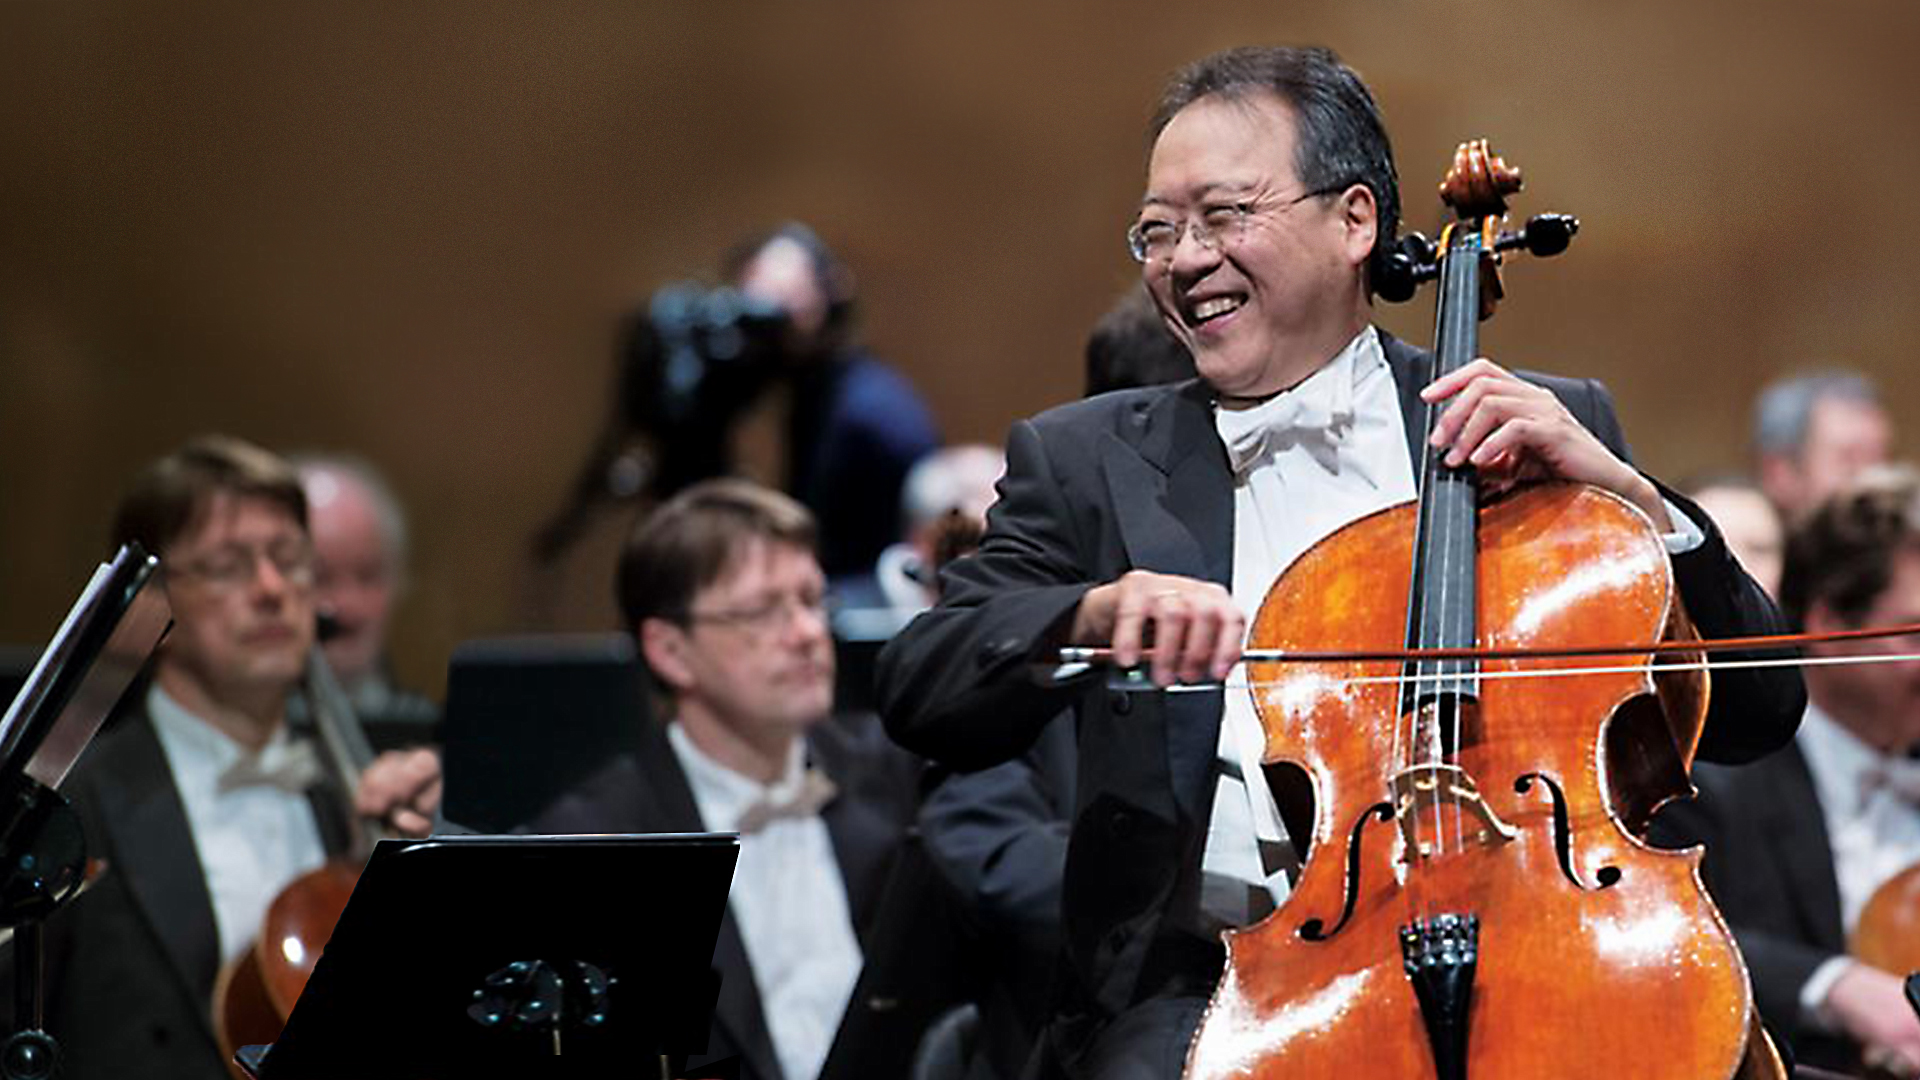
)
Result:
{"points": [[954, 684]]}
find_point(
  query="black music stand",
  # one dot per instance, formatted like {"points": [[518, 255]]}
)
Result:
{"points": [[93, 657], [527, 718], [483, 955]]}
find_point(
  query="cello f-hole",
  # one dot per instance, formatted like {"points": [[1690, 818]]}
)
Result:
{"points": [[1607, 876], [1311, 930]]}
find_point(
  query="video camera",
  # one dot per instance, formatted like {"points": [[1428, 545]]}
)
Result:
{"points": [[689, 363], [698, 357]]}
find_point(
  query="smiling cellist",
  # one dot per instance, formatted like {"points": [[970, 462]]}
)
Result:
{"points": [[1155, 521]]}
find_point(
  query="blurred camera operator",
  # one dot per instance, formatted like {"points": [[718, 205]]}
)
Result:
{"points": [[695, 359], [856, 425]]}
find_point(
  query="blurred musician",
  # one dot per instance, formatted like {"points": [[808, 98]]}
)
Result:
{"points": [[360, 571], [1812, 433], [198, 799], [1748, 520], [728, 605], [1797, 842], [944, 501]]}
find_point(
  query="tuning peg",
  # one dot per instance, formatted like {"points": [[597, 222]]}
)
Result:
{"points": [[1549, 234], [1411, 260]]}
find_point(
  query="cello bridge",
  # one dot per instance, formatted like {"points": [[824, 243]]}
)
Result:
{"points": [[1424, 788]]}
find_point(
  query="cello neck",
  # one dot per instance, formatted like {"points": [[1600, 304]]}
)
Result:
{"points": [[1440, 609], [343, 743]]}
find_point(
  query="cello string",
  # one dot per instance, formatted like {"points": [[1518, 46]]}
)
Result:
{"points": [[1405, 713], [1461, 277], [1541, 673], [1447, 543], [1426, 543]]}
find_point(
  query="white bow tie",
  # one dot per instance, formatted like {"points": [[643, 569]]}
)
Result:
{"points": [[291, 767], [801, 800], [1313, 415], [1898, 775]]}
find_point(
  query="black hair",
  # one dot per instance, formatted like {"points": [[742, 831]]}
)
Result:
{"points": [[1341, 139]]}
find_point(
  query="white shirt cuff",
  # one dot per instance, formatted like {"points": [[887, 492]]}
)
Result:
{"points": [[1813, 994], [1687, 533]]}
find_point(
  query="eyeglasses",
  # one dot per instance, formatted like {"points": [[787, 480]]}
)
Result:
{"points": [[773, 617], [1154, 240], [234, 566]]}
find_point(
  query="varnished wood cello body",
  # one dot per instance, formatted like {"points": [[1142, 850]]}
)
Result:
{"points": [[1475, 902]]}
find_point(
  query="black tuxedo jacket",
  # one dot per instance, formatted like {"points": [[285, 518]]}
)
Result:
{"points": [[1769, 868], [646, 791], [1139, 479], [131, 962], [999, 836]]}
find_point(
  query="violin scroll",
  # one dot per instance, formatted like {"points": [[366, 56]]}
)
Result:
{"points": [[1478, 183], [1412, 258]]}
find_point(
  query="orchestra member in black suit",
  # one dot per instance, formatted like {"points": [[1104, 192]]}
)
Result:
{"points": [[1797, 842], [728, 605], [199, 800], [1154, 521]]}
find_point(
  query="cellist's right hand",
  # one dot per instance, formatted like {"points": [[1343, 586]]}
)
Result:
{"points": [[1190, 630], [1871, 1006]]}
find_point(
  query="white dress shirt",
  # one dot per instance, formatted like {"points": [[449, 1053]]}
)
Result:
{"points": [[252, 840], [1868, 803], [1341, 454], [790, 902]]}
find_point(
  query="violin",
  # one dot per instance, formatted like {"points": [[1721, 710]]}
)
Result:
{"points": [[1475, 900]]}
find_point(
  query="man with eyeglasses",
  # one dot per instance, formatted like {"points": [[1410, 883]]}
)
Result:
{"points": [[199, 800], [727, 603], [1155, 520]]}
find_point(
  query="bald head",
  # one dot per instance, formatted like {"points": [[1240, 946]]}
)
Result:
{"points": [[359, 540]]}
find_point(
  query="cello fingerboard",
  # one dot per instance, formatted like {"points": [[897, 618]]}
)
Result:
{"points": [[1441, 605]]}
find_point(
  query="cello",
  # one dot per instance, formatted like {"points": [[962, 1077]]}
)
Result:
{"points": [[1475, 901], [255, 992]]}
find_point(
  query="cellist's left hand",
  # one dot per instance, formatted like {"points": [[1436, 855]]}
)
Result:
{"points": [[1511, 430], [402, 790]]}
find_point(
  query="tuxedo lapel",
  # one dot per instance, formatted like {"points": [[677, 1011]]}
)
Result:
{"points": [[1171, 491], [153, 853], [737, 1010], [1172, 494], [1797, 823], [669, 798], [863, 840]]}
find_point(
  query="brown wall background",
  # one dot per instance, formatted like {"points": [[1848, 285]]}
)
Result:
{"points": [[408, 230]]}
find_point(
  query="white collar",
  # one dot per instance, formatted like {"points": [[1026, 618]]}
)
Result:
{"points": [[1847, 770], [187, 732], [723, 794]]}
